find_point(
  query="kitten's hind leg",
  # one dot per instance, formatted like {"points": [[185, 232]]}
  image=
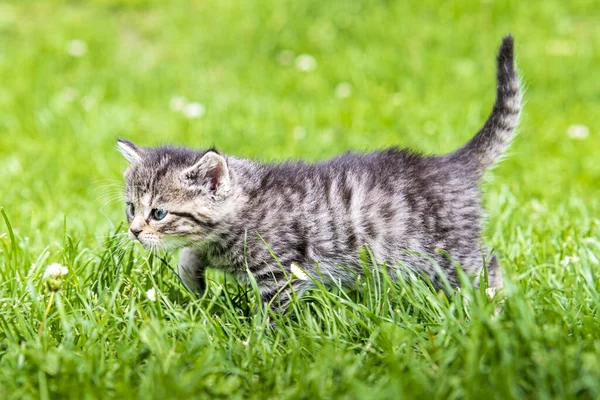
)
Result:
{"points": [[191, 269], [278, 293], [494, 273]]}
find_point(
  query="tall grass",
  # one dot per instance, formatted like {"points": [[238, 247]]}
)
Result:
{"points": [[77, 74]]}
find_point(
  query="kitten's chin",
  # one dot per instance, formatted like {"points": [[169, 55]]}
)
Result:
{"points": [[165, 243], [153, 242]]}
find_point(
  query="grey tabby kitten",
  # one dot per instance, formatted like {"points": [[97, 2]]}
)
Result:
{"points": [[422, 212]]}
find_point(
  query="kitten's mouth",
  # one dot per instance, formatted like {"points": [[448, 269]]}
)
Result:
{"points": [[165, 243], [153, 246], [149, 241]]}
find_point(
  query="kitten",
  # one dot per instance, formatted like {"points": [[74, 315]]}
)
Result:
{"points": [[228, 213]]}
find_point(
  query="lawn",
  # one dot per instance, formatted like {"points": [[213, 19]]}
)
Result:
{"points": [[293, 79]]}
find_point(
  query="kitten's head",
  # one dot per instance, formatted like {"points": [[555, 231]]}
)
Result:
{"points": [[174, 196]]}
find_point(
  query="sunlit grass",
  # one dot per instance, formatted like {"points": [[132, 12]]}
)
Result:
{"points": [[274, 80]]}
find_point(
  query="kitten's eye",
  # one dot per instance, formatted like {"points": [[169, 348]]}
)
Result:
{"points": [[130, 210], [158, 213]]}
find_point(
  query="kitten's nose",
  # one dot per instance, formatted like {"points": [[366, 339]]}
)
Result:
{"points": [[135, 231]]}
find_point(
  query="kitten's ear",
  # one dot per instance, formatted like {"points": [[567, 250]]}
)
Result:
{"points": [[129, 150], [210, 174]]}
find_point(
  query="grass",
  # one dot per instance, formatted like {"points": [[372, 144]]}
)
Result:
{"points": [[420, 74]]}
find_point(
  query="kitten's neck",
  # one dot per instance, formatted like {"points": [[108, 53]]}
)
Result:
{"points": [[245, 174]]}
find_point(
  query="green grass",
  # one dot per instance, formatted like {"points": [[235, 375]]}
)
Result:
{"points": [[422, 75]]}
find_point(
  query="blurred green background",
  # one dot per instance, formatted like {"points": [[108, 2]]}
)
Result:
{"points": [[303, 79]]}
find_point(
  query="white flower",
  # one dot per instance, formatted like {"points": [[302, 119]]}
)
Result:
{"points": [[151, 294], [285, 57], [297, 273], [343, 90], [88, 102], [68, 94], [299, 132], [193, 110], [569, 260], [306, 62], [537, 206], [53, 275], [490, 292], [578, 132], [54, 271], [177, 103], [77, 48]]}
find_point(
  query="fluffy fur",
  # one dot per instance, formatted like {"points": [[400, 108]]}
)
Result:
{"points": [[228, 213]]}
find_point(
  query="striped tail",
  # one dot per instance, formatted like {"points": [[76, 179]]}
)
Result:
{"points": [[491, 141]]}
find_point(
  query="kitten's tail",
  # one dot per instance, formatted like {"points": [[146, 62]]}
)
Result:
{"points": [[495, 136]]}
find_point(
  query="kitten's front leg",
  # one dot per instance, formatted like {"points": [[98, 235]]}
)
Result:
{"points": [[191, 269]]}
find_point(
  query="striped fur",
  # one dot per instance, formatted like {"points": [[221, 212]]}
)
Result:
{"points": [[228, 213]]}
